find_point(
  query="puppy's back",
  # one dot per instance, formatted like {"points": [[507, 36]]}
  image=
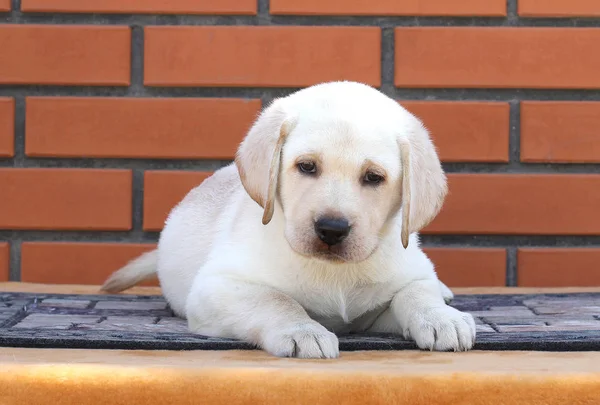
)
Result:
{"points": [[190, 231]]}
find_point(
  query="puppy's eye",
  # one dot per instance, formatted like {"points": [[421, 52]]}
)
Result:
{"points": [[372, 178], [307, 167]]}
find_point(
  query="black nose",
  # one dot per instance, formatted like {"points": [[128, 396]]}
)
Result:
{"points": [[332, 230]]}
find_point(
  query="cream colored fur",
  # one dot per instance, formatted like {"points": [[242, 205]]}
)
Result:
{"points": [[239, 257]]}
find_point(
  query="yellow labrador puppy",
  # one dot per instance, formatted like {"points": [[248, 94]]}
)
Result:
{"points": [[312, 231]]}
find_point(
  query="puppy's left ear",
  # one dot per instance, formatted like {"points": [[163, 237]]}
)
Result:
{"points": [[258, 158], [424, 185]]}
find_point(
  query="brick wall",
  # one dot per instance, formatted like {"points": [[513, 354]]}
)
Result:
{"points": [[111, 110]]}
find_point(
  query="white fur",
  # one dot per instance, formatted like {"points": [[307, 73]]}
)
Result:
{"points": [[276, 285]]}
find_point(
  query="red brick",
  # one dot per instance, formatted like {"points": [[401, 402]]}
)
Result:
{"points": [[466, 131], [5, 5], [559, 8], [7, 127], [76, 263], [466, 267], [497, 57], [137, 127], [558, 267], [65, 199], [260, 56], [560, 132], [65, 55], [4, 261], [163, 190], [240, 7], [520, 204], [390, 7]]}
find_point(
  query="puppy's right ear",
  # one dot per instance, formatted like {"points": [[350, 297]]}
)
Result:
{"points": [[424, 185], [259, 156]]}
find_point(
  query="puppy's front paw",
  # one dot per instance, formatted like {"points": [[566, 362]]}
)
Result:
{"points": [[442, 329], [303, 340]]}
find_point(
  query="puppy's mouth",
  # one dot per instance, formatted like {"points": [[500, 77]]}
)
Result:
{"points": [[342, 253], [318, 250], [345, 252], [337, 254], [330, 255]]}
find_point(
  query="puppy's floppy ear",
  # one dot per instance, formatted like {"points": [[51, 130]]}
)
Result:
{"points": [[424, 185], [258, 157]]}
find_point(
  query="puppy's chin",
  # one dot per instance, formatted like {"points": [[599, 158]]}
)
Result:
{"points": [[337, 254]]}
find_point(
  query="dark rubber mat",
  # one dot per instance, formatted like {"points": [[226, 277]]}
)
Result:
{"points": [[553, 322]]}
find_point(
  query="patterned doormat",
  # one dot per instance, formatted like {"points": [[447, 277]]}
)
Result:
{"points": [[552, 322]]}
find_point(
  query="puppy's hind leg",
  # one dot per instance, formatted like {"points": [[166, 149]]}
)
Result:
{"points": [[223, 307]]}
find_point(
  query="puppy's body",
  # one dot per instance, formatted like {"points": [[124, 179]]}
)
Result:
{"points": [[279, 286], [216, 231]]}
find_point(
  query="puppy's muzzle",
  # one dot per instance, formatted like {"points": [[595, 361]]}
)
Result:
{"points": [[332, 230]]}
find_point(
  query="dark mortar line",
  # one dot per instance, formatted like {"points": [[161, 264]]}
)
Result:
{"points": [[427, 240], [264, 18], [17, 237], [505, 94], [19, 134], [506, 241], [60, 18], [511, 267], [137, 201], [387, 61], [512, 13], [137, 60], [514, 135], [14, 273], [137, 87], [17, 161], [263, 12], [125, 164], [522, 168], [15, 8], [433, 21], [138, 90], [513, 167]]}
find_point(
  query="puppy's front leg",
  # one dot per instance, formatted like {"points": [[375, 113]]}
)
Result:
{"points": [[258, 314], [424, 316], [418, 312]]}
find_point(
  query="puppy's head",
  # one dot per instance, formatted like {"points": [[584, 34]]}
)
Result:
{"points": [[342, 160]]}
